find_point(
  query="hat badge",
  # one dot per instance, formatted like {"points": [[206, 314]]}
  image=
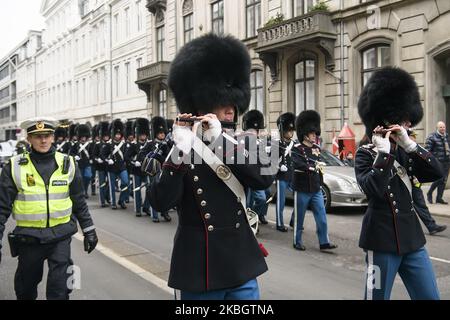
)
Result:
{"points": [[40, 125]]}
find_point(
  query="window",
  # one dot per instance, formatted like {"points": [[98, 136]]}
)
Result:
{"points": [[127, 22], [127, 77], [83, 93], [77, 93], [301, 7], [305, 88], [217, 17], [76, 50], [188, 27], [139, 15], [257, 91], [116, 78], [253, 11], [160, 43], [162, 103], [374, 58], [83, 47], [116, 27], [4, 72]]}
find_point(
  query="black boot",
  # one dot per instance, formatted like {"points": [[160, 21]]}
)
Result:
{"points": [[263, 220], [166, 216]]}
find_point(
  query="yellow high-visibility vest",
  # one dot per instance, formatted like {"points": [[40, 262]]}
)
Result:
{"points": [[38, 205]]}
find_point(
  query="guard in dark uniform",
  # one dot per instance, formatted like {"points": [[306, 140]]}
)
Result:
{"points": [[253, 121], [95, 140], [72, 134], [215, 254], [140, 179], [43, 191], [391, 234], [286, 127], [61, 143], [100, 155], [114, 155], [130, 140], [80, 152]]}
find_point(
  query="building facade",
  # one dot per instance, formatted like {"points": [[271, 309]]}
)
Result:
{"points": [[17, 84], [308, 54], [86, 70]]}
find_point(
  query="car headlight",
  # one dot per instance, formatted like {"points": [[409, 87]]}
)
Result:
{"points": [[347, 185]]}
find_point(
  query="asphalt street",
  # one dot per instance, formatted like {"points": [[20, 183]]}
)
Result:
{"points": [[133, 259]]}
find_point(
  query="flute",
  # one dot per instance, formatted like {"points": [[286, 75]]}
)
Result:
{"points": [[225, 124]]}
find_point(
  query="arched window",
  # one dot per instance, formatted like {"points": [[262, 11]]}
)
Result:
{"points": [[305, 85], [162, 103], [257, 90], [160, 36], [374, 58], [188, 20]]}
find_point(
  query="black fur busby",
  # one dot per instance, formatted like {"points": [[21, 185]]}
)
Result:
{"points": [[286, 122], [95, 132], [390, 97], [142, 126], [116, 127], [211, 71], [60, 132], [72, 130], [103, 129], [307, 121], [253, 119], [170, 123], [83, 130], [129, 128], [159, 125]]}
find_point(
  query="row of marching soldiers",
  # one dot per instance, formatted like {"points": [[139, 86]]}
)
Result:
{"points": [[111, 157]]}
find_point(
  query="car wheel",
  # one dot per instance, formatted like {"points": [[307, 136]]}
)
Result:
{"points": [[326, 198]]}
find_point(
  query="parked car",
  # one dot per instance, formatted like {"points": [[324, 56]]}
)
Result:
{"points": [[340, 187]]}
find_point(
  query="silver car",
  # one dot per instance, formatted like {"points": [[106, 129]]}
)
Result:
{"points": [[340, 187]]}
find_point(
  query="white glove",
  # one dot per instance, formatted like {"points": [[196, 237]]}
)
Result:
{"points": [[77, 158], [99, 160], [382, 144], [110, 162], [214, 131], [183, 138], [137, 164], [283, 168], [405, 141]]}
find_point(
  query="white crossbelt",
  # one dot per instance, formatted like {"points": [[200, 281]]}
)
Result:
{"points": [[83, 149], [58, 148], [117, 149]]}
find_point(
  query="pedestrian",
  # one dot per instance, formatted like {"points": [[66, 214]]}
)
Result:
{"points": [[308, 180], [253, 121], [43, 190], [437, 144], [286, 127], [391, 234], [215, 254], [419, 202]]}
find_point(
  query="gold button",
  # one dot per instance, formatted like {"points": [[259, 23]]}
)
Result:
{"points": [[210, 228], [396, 210], [238, 225], [389, 187], [199, 191], [192, 167], [207, 216], [195, 178], [381, 170], [239, 212], [203, 203], [394, 203], [391, 195]]}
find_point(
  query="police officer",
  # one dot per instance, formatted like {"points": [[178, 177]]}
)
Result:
{"points": [[114, 155], [286, 127], [308, 180], [253, 121], [43, 190], [80, 152], [391, 234], [141, 129], [215, 254], [61, 144], [100, 153]]}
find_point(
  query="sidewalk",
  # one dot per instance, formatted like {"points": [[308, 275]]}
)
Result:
{"points": [[437, 209]]}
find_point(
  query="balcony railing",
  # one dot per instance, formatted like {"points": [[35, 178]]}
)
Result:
{"points": [[152, 72]]}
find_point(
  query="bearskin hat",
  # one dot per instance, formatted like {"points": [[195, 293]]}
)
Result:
{"points": [[142, 126], [129, 128], [159, 125], [253, 119], [211, 71], [170, 123], [72, 130], [307, 121], [83, 130], [60, 132], [390, 97], [286, 122], [103, 129], [117, 126], [95, 132]]}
